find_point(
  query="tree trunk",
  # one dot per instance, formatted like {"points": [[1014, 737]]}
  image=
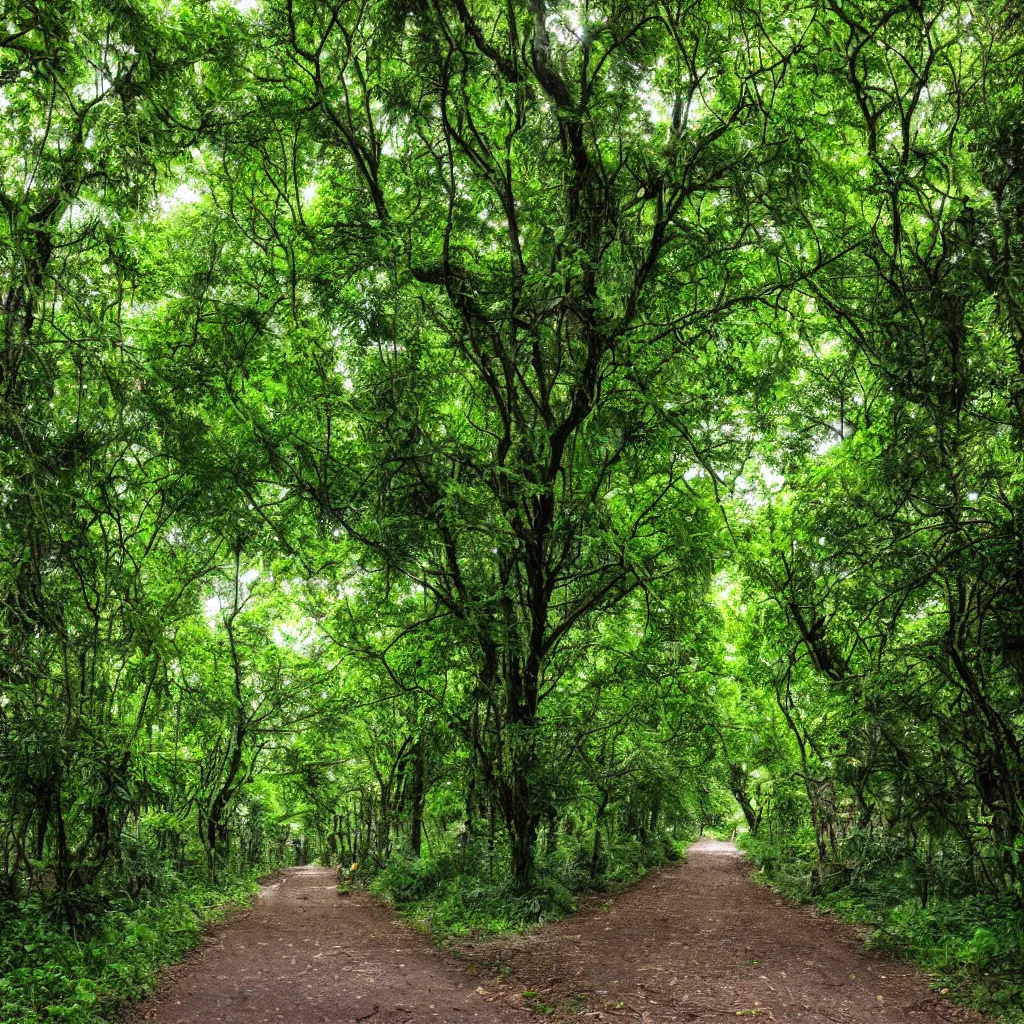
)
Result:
{"points": [[417, 798]]}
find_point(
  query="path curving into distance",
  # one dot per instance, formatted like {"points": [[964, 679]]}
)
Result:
{"points": [[695, 942], [305, 955]]}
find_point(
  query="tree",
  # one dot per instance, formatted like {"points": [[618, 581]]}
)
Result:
{"points": [[520, 219]]}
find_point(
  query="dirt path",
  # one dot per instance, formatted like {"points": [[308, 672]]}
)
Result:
{"points": [[305, 955], [697, 942], [700, 942]]}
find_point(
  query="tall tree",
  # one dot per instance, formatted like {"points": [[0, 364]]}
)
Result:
{"points": [[506, 221]]}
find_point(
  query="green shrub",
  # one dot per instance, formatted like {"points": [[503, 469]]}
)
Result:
{"points": [[53, 971], [455, 893], [447, 902]]}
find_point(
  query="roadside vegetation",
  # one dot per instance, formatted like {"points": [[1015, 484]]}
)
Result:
{"points": [[83, 972], [968, 941]]}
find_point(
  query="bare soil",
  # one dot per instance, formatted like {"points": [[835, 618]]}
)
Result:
{"points": [[695, 942]]}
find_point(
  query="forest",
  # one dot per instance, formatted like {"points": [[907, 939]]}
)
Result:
{"points": [[493, 442]]}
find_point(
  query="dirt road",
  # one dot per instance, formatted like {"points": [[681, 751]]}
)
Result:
{"points": [[305, 955], [696, 942], [701, 942]]}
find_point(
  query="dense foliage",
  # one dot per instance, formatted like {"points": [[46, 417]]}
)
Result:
{"points": [[489, 442]]}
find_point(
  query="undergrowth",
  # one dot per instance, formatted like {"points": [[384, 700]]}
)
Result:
{"points": [[461, 904], [458, 894], [80, 974], [972, 945]]}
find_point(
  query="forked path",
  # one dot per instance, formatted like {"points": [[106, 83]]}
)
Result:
{"points": [[695, 942]]}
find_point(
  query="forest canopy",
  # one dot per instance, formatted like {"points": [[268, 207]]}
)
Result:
{"points": [[493, 442]]}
